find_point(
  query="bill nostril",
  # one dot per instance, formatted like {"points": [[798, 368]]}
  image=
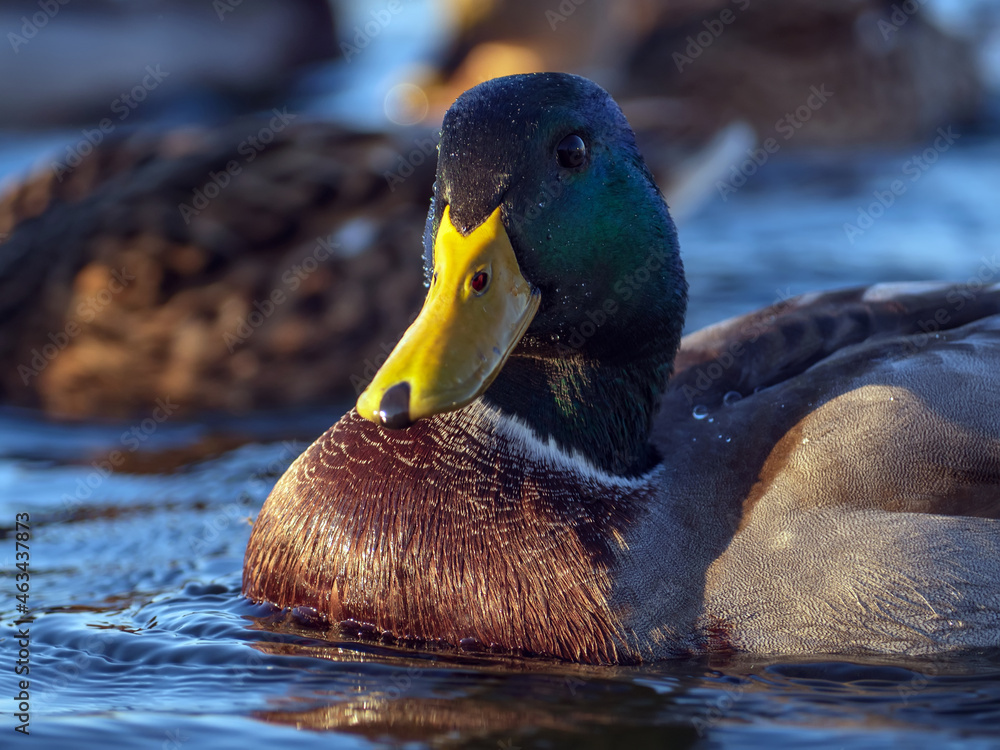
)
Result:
{"points": [[394, 409]]}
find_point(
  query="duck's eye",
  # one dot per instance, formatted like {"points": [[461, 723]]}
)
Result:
{"points": [[571, 151], [480, 281]]}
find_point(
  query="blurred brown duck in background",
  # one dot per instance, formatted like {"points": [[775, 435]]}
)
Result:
{"points": [[196, 267], [894, 75]]}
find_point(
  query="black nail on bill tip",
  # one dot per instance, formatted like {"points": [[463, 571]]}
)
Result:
{"points": [[394, 411]]}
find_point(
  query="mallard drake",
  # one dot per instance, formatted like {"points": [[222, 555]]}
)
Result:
{"points": [[542, 465]]}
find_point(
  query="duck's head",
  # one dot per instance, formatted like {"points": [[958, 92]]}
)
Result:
{"points": [[555, 284]]}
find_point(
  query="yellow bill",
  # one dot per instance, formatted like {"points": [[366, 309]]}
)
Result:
{"points": [[477, 309]]}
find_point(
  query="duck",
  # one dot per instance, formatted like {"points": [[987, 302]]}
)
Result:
{"points": [[544, 466], [260, 264], [890, 76]]}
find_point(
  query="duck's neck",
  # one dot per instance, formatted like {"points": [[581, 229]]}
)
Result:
{"points": [[598, 407]]}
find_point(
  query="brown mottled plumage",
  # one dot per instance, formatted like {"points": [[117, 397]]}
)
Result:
{"points": [[181, 325]]}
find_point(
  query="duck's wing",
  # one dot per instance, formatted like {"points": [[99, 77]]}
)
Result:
{"points": [[857, 480], [880, 398], [766, 347]]}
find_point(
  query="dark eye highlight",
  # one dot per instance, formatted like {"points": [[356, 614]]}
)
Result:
{"points": [[480, 281], [571, 152]]}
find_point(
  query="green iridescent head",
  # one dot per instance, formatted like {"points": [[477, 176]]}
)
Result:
{"points": [[585, 218], [550, 255]]}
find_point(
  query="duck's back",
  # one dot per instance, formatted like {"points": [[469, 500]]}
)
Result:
{"points": [[849, 445]]}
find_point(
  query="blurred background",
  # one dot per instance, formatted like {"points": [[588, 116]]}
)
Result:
{"points": [[221, 203]]}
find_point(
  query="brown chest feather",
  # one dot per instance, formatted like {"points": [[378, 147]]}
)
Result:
{"points": [[447, 530]]}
